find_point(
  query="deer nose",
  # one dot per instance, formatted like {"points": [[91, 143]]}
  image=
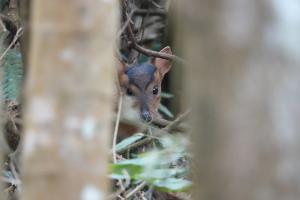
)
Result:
{"points": [[146, 116]]}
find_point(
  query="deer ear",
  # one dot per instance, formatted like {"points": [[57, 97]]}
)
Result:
{"points": [[163, 65], [123, 78]]}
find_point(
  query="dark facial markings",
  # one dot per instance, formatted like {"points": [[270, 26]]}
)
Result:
{"points": [[144, 86], [141, 75]]}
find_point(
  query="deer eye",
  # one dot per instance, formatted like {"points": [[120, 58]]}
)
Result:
{"points": [[129, 92], [155, 90]]}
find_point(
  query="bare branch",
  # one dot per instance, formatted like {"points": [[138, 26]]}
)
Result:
{"points": [[143, 12], [135, 190], [149, 52], [117, 128], [18, 34]]}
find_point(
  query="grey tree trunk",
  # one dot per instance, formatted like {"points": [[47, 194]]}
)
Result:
{"points": [[69, 99], [244, 82]]}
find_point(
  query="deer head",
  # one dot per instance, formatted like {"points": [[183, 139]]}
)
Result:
{"points": [[143, 83]]}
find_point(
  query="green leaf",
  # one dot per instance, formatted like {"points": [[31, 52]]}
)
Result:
{"points": [[117, 176], [128, 141], [176, 143], [133, 170], [172, 185], [165, 110], [166, 95], [162, 174], [143, 164], [158, 167], [13, 74]]}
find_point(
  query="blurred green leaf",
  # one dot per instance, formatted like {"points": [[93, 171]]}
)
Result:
{"points": [[166, 95], [128, 141], [133, 167], [163, 174], [172, 184], [117, 176], [158, 167], [13, 74], [165, 111]]}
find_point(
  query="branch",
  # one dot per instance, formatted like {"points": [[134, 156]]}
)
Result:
{"points": [[143, 12], [135, 190], [161, 123], [126, 23], [177, 121], [149, 52], [117, 128], [18, 34]]}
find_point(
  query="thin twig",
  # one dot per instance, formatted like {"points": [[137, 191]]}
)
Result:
{"points": [[18, 34], [149, 52], [161, 123], [135, 190], [160, 12], [177, 121], [156, 4], [15, 174], [117, 128], [122, 188], [138, 12], [126, 23], [2, 26], [141, 49]]}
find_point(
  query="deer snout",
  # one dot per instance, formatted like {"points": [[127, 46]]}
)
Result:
{"points": [[146, 116]]}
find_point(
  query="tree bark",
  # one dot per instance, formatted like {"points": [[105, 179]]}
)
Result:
{"points": [[69, 99], [244, 82]]}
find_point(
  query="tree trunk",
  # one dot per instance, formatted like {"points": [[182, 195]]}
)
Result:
{"points": [[69, 96], [244, 82]]}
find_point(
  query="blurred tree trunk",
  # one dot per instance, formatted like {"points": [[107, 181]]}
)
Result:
{"points": [[244, 81], [69, 99]]}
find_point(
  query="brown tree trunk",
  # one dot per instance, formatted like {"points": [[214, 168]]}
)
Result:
{"points": [[244, 82], [69, 99]]}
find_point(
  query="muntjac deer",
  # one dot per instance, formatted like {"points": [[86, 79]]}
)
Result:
{"points": [[142, 82]]}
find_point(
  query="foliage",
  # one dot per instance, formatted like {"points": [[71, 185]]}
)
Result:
{"points": [[166, 95], [163, 168], [165, 111], [162, 108], [13, 73], [128, 141]]}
